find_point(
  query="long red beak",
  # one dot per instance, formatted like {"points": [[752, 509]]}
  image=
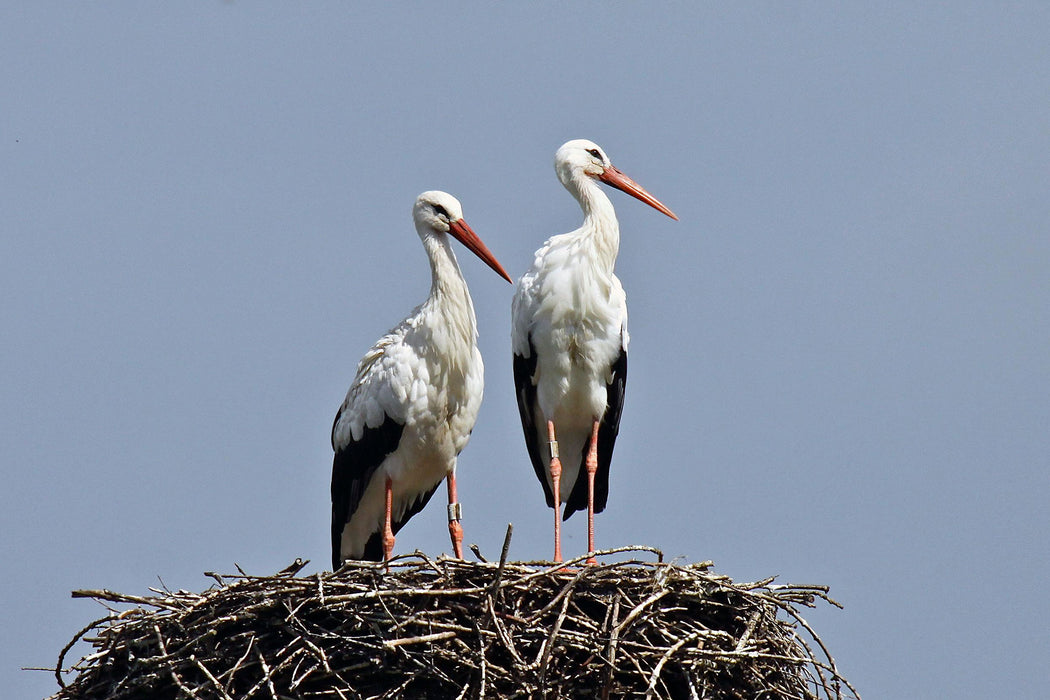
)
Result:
{"points": [[613, 177], [465, 235]]}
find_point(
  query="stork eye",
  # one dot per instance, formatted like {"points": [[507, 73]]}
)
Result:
{"points": [[596, 153], [440, 211]]}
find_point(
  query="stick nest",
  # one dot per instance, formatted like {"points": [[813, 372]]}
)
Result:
{"points": [[454, 629]]}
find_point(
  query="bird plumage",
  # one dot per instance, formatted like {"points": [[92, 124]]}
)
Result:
{"points": [[414, 400], [569, 333]]}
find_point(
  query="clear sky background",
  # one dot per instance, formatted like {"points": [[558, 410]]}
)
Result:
{"points": [[840, 358]]}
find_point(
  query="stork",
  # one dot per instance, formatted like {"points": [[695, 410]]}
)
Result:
{"points": [[569, 337], [413, 402]]}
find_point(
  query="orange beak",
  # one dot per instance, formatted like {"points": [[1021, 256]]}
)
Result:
{"points": [[614, 178], [465, 235]]}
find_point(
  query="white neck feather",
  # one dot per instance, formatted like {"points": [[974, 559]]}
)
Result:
{"points": [[449, 297], [600, 227]]}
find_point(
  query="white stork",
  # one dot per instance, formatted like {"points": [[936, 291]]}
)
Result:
{"points": [[413, 402], [569, 339]]}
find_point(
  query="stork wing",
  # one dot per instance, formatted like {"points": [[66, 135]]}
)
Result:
{"points": [[607, 432], [525, 390], [353, 467]]}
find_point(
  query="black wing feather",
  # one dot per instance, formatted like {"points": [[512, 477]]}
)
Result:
{"points": [[352, 469], [524, 369], [608, 429]]}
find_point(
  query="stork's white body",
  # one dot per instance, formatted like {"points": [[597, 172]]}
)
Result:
{"points": [[426, 374], [574, 310], [569, 338], [414, 400]]}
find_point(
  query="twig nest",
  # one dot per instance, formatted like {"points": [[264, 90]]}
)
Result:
{"points": [[455, 629]]}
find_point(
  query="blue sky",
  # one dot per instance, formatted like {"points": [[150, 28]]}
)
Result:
{"points": [[840, 358]]}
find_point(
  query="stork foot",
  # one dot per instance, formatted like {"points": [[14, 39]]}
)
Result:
{"points": [[592, 469], [455, 530], [388, 531], [556, 488], [455, 514]]}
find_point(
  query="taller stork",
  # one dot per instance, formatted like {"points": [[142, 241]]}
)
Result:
{"points": [[569, 338], [413, 403]]}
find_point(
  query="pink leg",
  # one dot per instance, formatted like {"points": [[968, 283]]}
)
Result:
{"points": [[388, 531], [455, 530], [592, 469], [556, 485]]}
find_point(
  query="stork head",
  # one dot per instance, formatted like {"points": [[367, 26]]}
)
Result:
{"points": [[581, 158], [440, 213]]}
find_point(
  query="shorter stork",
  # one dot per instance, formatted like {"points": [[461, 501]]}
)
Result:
{"points": [[413, 402]]}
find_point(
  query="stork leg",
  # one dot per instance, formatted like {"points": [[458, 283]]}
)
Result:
{"points": [[592, 469], [556, 486], [388, 531], [455, 513]]}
